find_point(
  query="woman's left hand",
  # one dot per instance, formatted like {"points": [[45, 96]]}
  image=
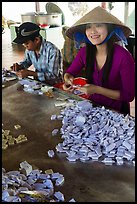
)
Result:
{"points": [[88, 88]]}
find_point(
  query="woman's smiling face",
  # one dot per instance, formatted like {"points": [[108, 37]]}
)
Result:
{"points": [[96, 32]]}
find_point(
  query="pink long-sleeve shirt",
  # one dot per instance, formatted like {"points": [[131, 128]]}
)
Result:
{"points": [[121, 77]]}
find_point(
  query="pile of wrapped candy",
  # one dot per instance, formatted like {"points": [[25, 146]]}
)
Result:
{"points": [[96, 134], [28, 185]]}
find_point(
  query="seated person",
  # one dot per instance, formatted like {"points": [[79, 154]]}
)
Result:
{"points": [[43, 55], [69, 51], [110, 68]]}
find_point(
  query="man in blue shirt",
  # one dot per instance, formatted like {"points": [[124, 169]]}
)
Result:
{"points": [[43, 55]]}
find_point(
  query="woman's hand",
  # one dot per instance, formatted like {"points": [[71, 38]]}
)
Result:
{"points": [[88, 88], [92, 89], [68, 82], [67, 87]]}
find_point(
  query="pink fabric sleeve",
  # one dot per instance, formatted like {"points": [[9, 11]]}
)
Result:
{"points": [[78, 63], [127, 71]]}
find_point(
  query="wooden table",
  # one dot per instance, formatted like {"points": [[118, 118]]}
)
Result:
{"points": [[85, 182]]}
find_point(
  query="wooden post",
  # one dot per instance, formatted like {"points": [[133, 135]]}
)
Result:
{"points": [[37, 7], [126, 12], [104, 5]]}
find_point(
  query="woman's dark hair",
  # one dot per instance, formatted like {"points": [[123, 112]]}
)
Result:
{"points": [[91, 56]]}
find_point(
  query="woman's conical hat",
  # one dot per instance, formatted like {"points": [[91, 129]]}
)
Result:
{"points": [[97, 15]]}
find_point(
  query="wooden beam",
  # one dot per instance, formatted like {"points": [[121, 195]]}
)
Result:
{"points": [[126, 8], [104, 5], [37, 7]]}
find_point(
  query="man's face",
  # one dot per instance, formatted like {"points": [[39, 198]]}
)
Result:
{"points": [[30, 45]]}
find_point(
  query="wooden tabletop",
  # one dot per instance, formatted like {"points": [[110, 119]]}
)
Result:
{"points": [[84, 181]]}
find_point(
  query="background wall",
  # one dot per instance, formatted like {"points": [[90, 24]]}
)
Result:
{"points": [[13, 10]]}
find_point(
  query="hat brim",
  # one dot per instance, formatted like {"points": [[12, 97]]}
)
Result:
{"points": [[21, 40], [81, 28], [97, 15]]}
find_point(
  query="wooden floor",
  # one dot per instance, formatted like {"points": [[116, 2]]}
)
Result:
{"points": [[12, 53]]}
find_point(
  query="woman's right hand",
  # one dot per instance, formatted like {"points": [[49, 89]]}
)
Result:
{"points": [[68, 82], [15, 67]]}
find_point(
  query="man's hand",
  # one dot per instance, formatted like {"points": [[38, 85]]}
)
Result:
{"points": [[15, 67], [22, 73]]}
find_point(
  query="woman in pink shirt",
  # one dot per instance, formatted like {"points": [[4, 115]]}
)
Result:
{"points": [[110, 68]]}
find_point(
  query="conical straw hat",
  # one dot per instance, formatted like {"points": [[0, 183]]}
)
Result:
{"points": [[97, 15]]}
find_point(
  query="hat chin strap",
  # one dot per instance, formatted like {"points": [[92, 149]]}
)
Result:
{"points": [[119, 33], [82, 38]]}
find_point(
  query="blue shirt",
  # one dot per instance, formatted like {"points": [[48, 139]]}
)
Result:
{"points": [[48, 64]]}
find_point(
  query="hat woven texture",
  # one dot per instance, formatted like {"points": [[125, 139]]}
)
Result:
{"points": [[97, 15], [26, 31]]}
